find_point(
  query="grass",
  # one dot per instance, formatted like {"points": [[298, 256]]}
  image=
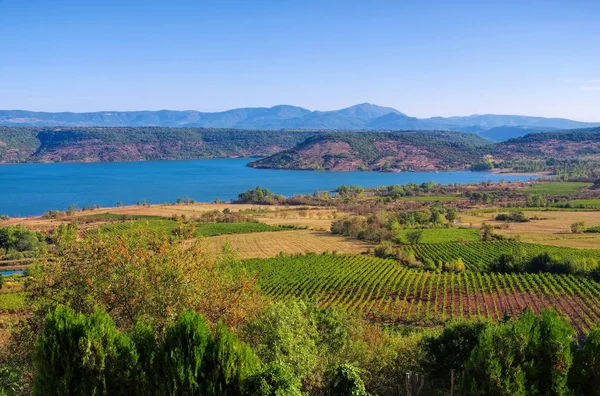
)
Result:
{"points": [[201, 230], [269, 244], [557, 188], [12, 302], [438, 235]]}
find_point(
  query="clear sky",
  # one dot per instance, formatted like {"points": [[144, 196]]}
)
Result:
{"points": [[424, 58]]}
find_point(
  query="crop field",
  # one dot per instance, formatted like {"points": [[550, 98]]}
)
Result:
{"points": [[586, 203], [383, 291], [556, 188], [478, 255], [438, 235], [269, 244], [201, 230]]}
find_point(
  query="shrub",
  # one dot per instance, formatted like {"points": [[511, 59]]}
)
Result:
{"points": [[78, 354], [275, 380], [585, 374], [344, 380], [578, 227]]}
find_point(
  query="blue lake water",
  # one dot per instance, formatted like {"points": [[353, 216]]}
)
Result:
{"points": [[11, 272], [31, 189]]}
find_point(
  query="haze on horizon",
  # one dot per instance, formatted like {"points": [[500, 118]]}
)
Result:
{"points": [[425, 58]]}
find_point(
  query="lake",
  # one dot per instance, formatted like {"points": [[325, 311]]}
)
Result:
{"points": [[31, 189], [11, 272]]}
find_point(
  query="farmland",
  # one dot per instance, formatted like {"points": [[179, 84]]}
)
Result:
{"points": [[477, 255], [260, 245], [383, 291], [199, 230]]}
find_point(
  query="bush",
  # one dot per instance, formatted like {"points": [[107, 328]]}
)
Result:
{"points": [[450, 350], [344, 380], [585, 374], [531, 355], [517, 217], [19, 238], [578, 227], [78, 354], [275, 380]]}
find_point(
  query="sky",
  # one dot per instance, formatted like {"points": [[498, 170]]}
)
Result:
{"points": [[424, 58]]}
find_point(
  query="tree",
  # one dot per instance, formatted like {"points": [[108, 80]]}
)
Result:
{"points": [[344, 380], [531, 355], [451, 214], [578, 227], [585, 374], [414, 236], [1, 281], [146, 275], [228, 364], [450, 350], [19, 238], [181, 357], [285, 333], [78, 354]]}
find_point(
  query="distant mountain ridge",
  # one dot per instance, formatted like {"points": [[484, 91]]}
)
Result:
{"points": [[363, 116]]}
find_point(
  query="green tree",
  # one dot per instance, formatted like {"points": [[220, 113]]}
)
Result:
{"points": [[228, 364], [414, 236], [83, 355], [585, 374], [451, 214], [529, 356], [450, 350], [345, 380], [181, 358], [286, 333]]}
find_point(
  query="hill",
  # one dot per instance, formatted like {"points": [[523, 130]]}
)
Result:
{"points": [[426, 151], [400, 151], [139, 144], [582, 144], [363, 116]]}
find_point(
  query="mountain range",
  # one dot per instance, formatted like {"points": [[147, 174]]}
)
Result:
{"points": [[364, 116]]}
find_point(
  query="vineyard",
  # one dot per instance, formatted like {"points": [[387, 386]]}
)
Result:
{"points": [[478, 255], [381, 290], [200, 230]]}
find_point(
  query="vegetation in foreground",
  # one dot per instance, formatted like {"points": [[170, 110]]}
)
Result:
{"points": [[317, 324]]}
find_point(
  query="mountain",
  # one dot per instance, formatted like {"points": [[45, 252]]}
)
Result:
{"points": [[364, 116]]}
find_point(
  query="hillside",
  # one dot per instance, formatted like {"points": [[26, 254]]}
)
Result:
{"points": [[405, 151], [427, 151], [583, 144], [363, 116], [138, 144]]}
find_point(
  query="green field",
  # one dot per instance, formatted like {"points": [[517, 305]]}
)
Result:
{"points": [[384, 291], [478, 255], [586, 203], [210, 229], [556, 188], [438, 235]]}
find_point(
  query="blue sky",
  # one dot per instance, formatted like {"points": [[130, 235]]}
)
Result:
{"points": [[424, 58]]}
